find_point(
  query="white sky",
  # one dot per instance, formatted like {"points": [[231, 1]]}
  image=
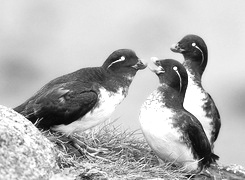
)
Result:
{"points": [[41, 40]]}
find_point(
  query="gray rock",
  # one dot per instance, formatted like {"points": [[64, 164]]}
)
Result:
{"points": [[25, 154]]}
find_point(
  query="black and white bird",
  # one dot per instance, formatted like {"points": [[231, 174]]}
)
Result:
{"points": [[85, 98], [197, 100], [173, 133]]}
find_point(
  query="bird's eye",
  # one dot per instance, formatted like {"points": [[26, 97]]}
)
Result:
{"points": [[193, 44], [175, 68], [123, 58]]}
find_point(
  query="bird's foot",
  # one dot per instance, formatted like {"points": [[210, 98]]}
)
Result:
{"points": [[84, 149]]}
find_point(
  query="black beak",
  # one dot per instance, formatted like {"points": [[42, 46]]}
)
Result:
{"points": [[177, 48], [139, 65]]}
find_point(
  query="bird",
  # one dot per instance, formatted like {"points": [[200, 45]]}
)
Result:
{"points": [[173, 133], [80, 100], [197, 100]]}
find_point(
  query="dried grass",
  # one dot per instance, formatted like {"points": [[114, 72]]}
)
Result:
{"points": [[127, 157]]}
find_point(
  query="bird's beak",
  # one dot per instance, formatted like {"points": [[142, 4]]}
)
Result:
{"points": [[140, 65], [158, 68], [177, 48]]}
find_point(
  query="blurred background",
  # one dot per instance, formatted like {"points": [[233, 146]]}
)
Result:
{"points": [[41, 40]]}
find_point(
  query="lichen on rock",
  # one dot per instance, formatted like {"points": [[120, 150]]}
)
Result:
{"points": [[25, 154]]}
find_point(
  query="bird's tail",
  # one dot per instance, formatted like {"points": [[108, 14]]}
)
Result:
{"points": [[210, 159], [214, 157], [27, 112], [19, 108]]}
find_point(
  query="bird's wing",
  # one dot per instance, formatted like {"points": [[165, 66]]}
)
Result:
{"points": [[194, 131], [63, 103], [216, 116], [200, 143]]}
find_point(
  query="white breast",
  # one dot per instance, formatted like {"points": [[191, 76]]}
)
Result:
{"points": [[106, 106], [195, 99], [156, 125]]}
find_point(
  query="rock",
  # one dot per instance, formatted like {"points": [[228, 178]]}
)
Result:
{"points": [[233, 171], [25, 154]]}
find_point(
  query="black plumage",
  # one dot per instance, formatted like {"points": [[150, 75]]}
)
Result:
{"points": [[82, 99], [197, 100], [172, 132]]}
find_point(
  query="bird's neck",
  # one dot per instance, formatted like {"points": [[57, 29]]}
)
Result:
{"points": [[170, 97], [193, 69], [114, 81]]}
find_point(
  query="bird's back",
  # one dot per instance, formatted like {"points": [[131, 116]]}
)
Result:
{"points": [[85, 76]]}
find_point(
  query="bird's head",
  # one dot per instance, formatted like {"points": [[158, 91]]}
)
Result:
{"points": [[193, 48], [171, 73], [124, 61]]}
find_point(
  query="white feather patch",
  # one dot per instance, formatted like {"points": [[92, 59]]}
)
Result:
{"points": [[194, 45], [195, 98], [175, 68], [156, 124], [119, 60]]}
